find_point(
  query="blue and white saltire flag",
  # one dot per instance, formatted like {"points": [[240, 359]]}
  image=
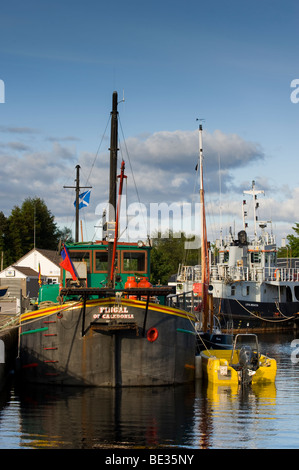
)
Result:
{"points": [[83, 199]]}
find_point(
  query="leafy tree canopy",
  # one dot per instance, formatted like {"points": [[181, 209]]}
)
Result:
{"points": [[28, 225], [292, 249], [168, 252]]}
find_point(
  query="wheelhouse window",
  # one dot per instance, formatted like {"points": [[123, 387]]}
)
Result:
{"points": [[134, 261], [77, 256], [101, 261], [245, 291], [255, 257]]}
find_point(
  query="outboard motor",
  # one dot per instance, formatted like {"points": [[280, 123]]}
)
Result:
{"points": [[248, 363], [245, 356]]}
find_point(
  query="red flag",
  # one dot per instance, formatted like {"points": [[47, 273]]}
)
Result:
{"points": [[67, 264], [39, 275]]}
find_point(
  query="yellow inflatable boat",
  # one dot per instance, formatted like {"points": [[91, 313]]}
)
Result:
{"points": [[244, 364]]}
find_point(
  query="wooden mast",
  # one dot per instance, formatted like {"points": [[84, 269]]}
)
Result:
{"points": [[205, 277], [122, 176], [113, 182]]}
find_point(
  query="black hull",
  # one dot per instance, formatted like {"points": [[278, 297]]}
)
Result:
{"points": [[214, 341], [258, 316], [74, 347]]}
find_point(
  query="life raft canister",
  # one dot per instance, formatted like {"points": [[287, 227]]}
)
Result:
{"points": [[144, 282], [131, 282]]}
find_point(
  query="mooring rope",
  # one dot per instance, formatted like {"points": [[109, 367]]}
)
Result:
{"points": [[265, 319]]}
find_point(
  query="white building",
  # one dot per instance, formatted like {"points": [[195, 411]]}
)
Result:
{"points": [[47, 259], [22, 277]]}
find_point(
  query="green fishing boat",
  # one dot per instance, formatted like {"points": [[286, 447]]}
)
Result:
{"points": [[105, 324]]}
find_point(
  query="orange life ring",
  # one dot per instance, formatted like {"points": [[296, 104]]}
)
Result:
{"points": [[277, 274], [152, 335]]}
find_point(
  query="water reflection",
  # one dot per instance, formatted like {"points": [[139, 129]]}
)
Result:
{"points": [[203, 416], [195, 416], [79, 418], [230, 415]]}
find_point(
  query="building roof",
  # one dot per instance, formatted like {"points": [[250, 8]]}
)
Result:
{"points": [[51, 255], [28, 272]]}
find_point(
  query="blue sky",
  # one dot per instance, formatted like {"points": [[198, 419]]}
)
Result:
{"points": [[230, 63]]}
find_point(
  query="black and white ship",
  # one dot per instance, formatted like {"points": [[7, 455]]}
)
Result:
{"points": [[251, 288]]}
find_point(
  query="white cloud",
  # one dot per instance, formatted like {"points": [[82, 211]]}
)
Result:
{"points": [[168, 160], [164, 171]]}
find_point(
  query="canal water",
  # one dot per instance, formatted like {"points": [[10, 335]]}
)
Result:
{"points": [[189, 417]]}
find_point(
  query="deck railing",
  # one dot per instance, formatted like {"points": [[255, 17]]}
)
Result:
{"points": [[254, 274], [240, 273], [185, 301]]}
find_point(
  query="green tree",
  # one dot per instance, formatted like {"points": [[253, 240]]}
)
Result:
{"points": [[32, 224], [293, 244], [14, 244], [167, 254], [3, 239], [292, 248], [65, 235]]}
